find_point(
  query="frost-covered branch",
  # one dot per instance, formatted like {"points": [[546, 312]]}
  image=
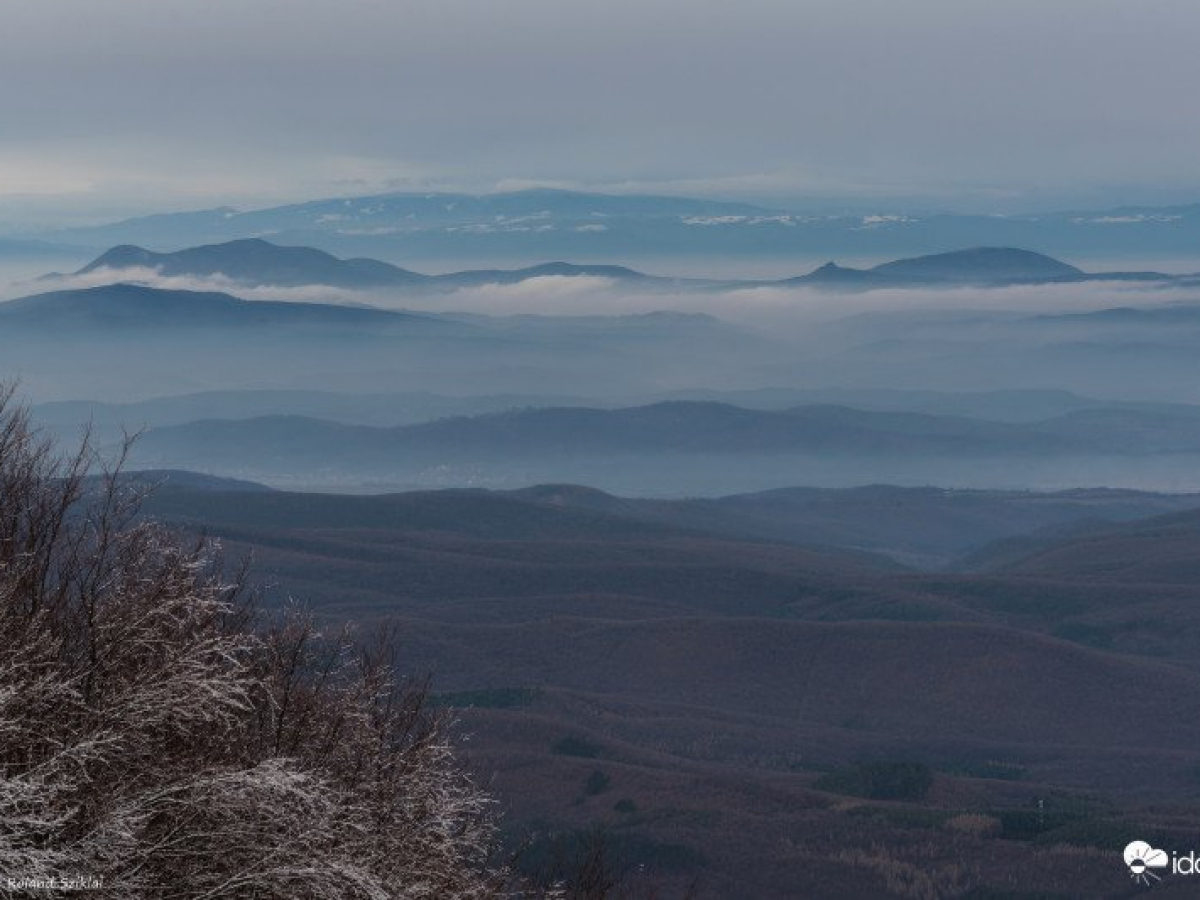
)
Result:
{"points": [[152, 738]]}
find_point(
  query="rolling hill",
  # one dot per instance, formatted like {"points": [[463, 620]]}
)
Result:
{"points": [[474, 555], [924, 527], [1164, 550], [722, 686]]}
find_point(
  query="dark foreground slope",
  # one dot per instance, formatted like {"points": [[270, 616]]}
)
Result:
{"points": [[708, 697], [925, 527]]}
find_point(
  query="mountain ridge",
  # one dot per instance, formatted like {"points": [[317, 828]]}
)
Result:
{"points": [[986, 266], [526, 225], [256, 262], [139, 306], [656, 444]]}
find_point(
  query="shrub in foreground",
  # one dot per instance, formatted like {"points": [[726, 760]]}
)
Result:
{"points": [[156, 738]]}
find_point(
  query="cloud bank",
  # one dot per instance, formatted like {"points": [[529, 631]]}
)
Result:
{"points": [[771, 308]]}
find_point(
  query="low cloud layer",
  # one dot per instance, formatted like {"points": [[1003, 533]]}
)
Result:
{"points": [[767, 307]]}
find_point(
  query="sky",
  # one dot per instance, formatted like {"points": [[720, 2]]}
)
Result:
{"points": [[112, 107]]}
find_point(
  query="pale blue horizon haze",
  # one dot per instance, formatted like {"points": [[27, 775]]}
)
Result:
{"points": [[119, 107]]}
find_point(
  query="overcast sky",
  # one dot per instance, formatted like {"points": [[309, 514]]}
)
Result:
{"points": [[127, 105]]}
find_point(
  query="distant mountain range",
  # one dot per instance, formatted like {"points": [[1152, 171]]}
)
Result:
{"points": [[123, 307], [134, 342], [980, 265], [673, 428], [256, 262], [32, 250], [132, 306], [131, 342], [541, 224], [253, 261], [410, 408], [646, 447]]}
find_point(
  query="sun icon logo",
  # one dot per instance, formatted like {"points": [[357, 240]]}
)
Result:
{"points": [[1142, 859]]}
